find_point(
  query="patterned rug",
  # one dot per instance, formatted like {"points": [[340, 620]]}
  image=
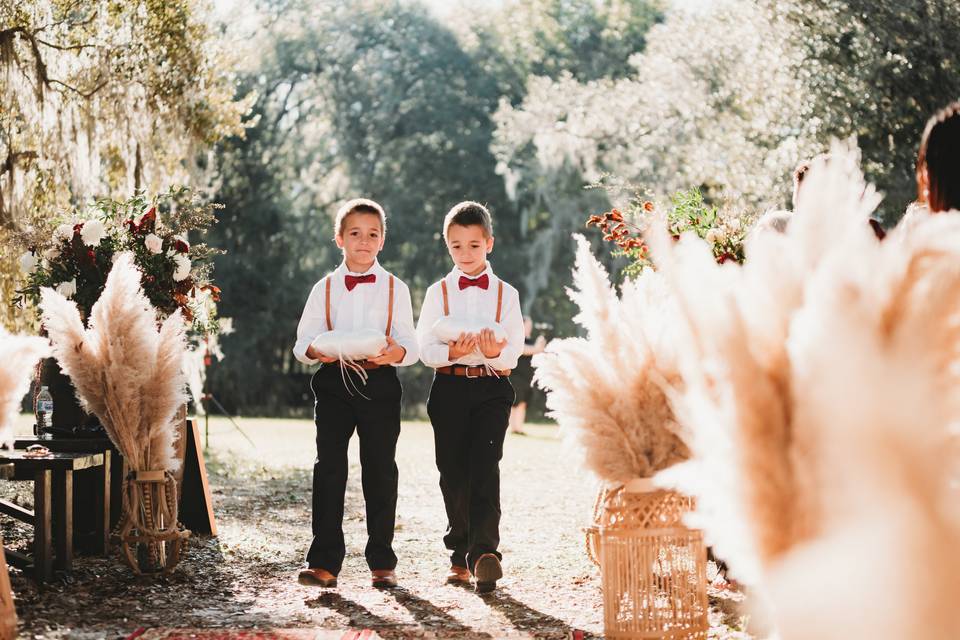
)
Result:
{"points": [[251, 634]]}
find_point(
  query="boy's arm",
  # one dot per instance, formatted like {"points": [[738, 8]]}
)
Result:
{"points": [[512, 321], [433, 353], [403, 331], [313, 322]]}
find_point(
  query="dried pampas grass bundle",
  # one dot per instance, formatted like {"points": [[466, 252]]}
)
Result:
{"points": [[819, 382], [125, 371], [607, 391], [18, 355]]}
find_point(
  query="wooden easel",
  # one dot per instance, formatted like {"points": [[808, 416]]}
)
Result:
{"points": [[196, 504]]}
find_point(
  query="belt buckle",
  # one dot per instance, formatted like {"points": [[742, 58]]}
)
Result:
{"points": [[466, 372]]}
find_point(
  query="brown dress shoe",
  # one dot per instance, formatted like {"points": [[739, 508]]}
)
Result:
{"points": [[487, 571], [458, 575], [316, 577], [383, 578]]}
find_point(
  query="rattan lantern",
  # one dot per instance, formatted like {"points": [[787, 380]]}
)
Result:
{"points": [[654, 569]]}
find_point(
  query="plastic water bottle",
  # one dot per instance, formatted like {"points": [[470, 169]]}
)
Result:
{"points": [[44, 411]]}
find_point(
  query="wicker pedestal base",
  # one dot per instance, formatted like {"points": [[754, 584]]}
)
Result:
{"points": [[653, 568], [150, 535]]}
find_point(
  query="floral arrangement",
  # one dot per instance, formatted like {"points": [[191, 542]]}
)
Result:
{"points": [[17, 356], [819, 391], [76, 258], [724, 231], [614, 408], [125, 370]]}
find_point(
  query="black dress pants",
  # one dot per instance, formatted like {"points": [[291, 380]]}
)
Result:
{"points": [[470, 418], [377, 421]]}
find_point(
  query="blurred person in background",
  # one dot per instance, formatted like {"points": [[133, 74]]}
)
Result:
{"points": [[522, 377]]}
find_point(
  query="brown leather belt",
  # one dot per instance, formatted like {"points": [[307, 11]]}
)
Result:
{"points": [[470, 371], [363, 364]]}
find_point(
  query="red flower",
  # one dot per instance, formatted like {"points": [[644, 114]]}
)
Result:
{"points": [[77, 228], [648, 206], [594, 220], [724, 257], [91, 256], [148, 219], [615, 215], [181, 246]]}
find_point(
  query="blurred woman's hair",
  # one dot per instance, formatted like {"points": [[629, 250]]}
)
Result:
{"points": [[938, 161]]}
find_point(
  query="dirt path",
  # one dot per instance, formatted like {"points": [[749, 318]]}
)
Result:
{"points": [[245, 577]]}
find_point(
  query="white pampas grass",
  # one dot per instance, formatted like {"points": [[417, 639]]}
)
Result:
{"points": [[18, 355], [820, 389], [124, 370], [607, 391]]}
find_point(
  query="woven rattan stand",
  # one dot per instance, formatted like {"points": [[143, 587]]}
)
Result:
{"points": [[150, 535], [653, 567]]}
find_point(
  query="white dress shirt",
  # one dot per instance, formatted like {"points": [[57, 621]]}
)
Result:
{"points": [[472, 303], [365, 307]]}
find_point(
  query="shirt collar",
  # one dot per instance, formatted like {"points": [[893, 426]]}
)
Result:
{"points": [[375, 269], [455, 273]]}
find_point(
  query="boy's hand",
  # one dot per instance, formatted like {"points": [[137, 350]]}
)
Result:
{"points": [[489, 346], [391, 353], [464, 345], [313, 354], [540, 344]]}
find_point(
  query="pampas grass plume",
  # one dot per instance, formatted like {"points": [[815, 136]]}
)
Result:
{"points": [[125, 371], [18, 355], [607, 390]]}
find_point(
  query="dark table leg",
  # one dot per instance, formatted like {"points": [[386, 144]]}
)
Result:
{"points": [[42, 544], [103, 504], [63, 498]]}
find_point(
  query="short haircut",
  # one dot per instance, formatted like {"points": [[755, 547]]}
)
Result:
{"points": [[359, 205], [939, 160], [467, 214]]}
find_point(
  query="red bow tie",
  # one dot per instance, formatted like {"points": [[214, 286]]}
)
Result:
{"points": [[483, 282], [353, 281]]}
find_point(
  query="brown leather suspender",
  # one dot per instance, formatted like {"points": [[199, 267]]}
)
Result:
{"points": [[446, 301], [499, 299], [390, 308], [329, 324]]}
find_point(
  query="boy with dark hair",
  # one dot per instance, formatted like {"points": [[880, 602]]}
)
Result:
{"points": [[359, 294], [471, 396]]}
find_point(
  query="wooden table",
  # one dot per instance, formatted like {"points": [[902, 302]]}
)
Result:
{"points": [[52, 477], [89, 490]]}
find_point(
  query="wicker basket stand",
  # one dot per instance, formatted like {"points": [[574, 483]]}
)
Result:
{"points": [[150, 535], [653, 567]]}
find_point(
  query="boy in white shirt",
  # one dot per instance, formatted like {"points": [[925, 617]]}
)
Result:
{"points": [[471, 396], [359, 294]]}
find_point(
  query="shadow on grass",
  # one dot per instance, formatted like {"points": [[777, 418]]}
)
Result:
{"points": [[431, 616], [529, 620]]}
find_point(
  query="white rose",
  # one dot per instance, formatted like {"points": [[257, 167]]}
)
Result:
{"points": [[28, 262], [711, 236], [67, 289], [64, 232], [183, 267], [153, 242], [92, 232]]}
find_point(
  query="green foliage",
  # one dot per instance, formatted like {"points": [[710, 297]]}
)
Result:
{"points": [[102, 99], [175, 274], [878, 69]]}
